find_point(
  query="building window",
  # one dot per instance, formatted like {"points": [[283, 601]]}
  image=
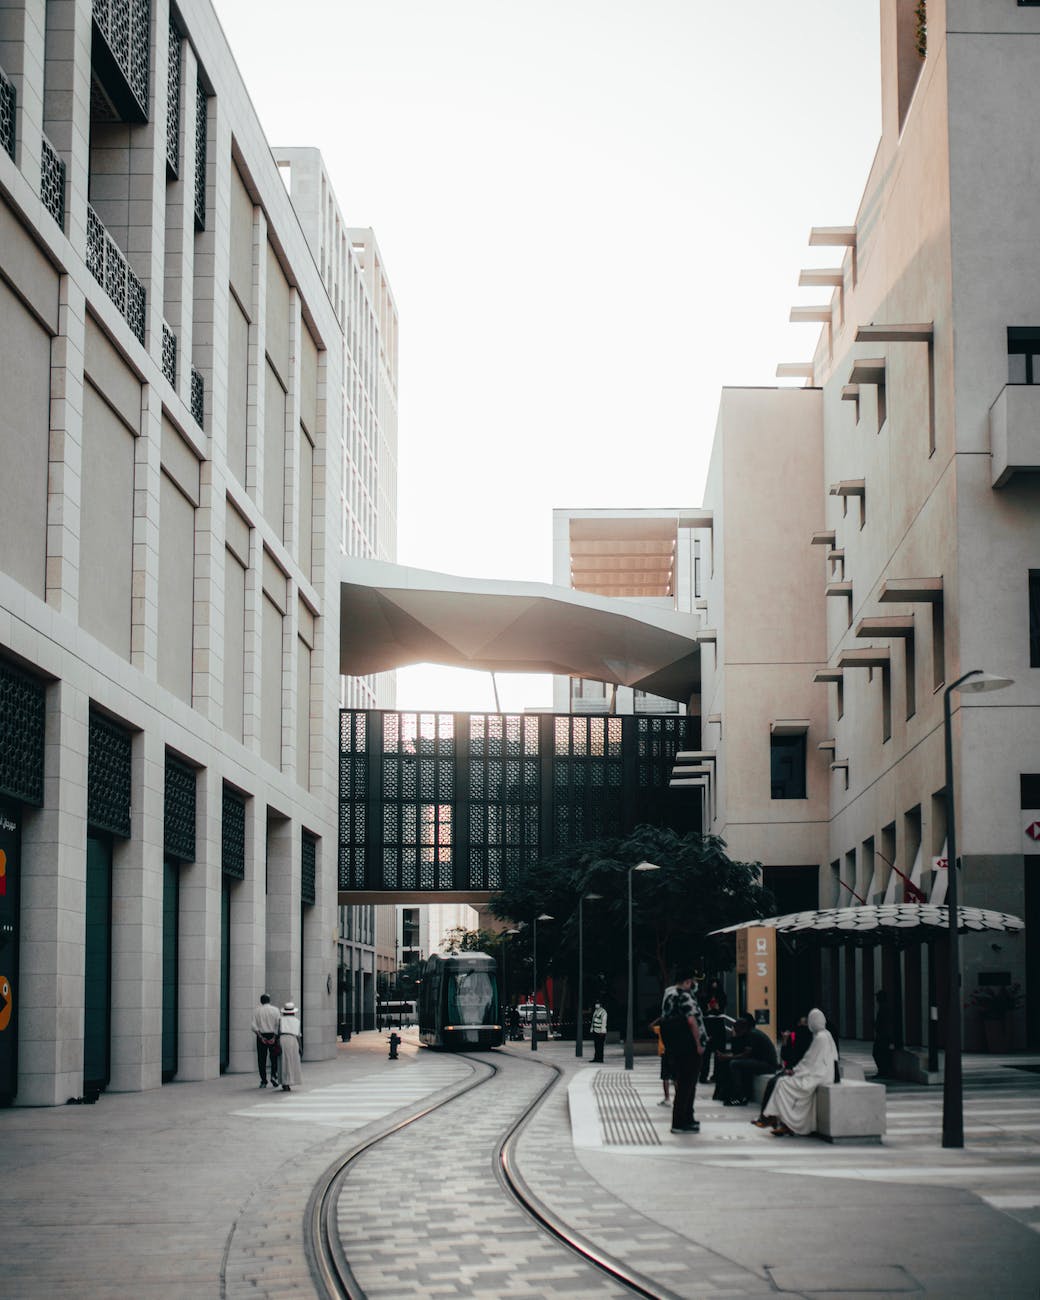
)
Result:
{"points": [[1034, 618], [787, 766], [1023, 354]]}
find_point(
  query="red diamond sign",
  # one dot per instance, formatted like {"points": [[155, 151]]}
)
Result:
{"points": [[1033, 830]]}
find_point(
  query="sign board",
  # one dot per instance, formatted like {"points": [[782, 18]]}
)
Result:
{"points": [[1031, 830], [756, 960]]}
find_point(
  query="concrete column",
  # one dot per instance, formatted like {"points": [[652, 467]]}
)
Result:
{"points": [[282, 910], [137, 897], [67, 106], [53, 907], [198, 1029], [144, 605], [65, 469], [248, 940]]}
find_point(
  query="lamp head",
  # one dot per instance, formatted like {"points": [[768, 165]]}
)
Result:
{"points": [[546, 917], [591, 897], [646, 866], [985, 682]]}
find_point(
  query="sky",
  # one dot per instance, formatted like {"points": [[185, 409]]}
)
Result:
{"points": [[593, 214]]}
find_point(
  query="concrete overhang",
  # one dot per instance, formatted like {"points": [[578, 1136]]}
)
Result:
{"points": [[392, 616], [886, 625], [911, 591], [825, 538], [918, 333], [832, 237], [871, 370], [869, 657]]}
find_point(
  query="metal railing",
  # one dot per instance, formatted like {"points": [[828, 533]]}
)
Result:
{"points": [[7, 102], [109, 267], [173, 103], [124, 25], [52, 181], [198, 389], [169, 354], [201, 130]]}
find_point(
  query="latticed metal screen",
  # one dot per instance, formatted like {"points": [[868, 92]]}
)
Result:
{"points": [[201, 129], [438, 801], [233, 835], [173, 103], [7, 102], [52, 181], [179, 811], [21, 735], [108, 776], [198, 396], [308, 864], [124, 26]]}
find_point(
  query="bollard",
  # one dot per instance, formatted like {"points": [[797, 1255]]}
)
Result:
{"points": [[394, 1041]]}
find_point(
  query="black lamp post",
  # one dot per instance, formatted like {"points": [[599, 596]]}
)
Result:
{"points": [[639, 866], [953, 1091], [579, 1045], [534, 975]]}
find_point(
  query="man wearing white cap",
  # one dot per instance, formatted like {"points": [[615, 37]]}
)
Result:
{"points": [[291, 1039]]}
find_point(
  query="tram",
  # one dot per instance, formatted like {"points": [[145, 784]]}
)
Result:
{"points": [[458, 1002]]}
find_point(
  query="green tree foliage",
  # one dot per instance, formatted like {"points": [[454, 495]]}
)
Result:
{"points": [[698, 888], [459, 939]]}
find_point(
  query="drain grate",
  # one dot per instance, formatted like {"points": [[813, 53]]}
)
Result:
{"points": [[622, 1116]]}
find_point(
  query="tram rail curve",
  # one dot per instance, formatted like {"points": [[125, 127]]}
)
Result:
{"points": [[330, 1267]]}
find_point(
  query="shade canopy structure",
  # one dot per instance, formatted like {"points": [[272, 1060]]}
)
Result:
{"points": [[897, 924], [392, 616]]}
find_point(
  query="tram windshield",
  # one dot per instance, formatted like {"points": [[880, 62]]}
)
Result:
{"points": [[472, 999]]}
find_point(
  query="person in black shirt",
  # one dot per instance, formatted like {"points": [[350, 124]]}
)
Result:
{"points": [[752, 1053]]}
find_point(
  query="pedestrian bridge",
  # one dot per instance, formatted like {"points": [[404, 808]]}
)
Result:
{"points": [[440, 806]]}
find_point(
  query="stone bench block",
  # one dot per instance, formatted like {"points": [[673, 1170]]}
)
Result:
{"points": [[850, 1111]]}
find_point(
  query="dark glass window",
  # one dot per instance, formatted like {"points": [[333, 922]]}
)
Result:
{"points": [[1023, 354], [1034, 618], [787, 766]]}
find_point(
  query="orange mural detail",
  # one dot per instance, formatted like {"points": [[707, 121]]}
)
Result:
{"points": [[6, 1002]]}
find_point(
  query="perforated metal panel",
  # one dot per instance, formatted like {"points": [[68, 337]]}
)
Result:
{"points": [[108, 776], [179, 811], [434, 801], [21, 735], [308, 863], [233, 835], [52, 181], [173, 103]]}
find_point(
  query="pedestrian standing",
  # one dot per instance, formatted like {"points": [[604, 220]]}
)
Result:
{"points": [[291, 1038], [682, 1028], [266, 1019], [667, 1073], [599, 1031]]}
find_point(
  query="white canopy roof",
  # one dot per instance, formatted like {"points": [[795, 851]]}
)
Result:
{"points": [[391, 616], [874, 924]]}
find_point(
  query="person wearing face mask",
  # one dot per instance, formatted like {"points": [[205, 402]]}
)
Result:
{"points": [[793, 1106]]}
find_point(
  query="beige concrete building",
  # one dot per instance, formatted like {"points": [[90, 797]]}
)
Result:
{"points": [[197, 418], [876, 534]]}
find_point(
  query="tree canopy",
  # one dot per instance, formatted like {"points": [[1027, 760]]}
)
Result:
{"points": [[697, 888]]}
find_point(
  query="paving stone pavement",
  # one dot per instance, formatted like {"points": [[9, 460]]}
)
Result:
{"points": [[423, 1214]]}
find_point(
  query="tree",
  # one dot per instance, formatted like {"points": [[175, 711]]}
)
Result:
{"points": [[698, 888], [459, 939]]}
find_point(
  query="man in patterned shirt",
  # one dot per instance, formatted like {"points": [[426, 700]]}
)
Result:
{"points": [[682, 1029]]}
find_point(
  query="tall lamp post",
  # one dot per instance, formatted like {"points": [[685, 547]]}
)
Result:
{"points": [[639, 866], [953, 1092], [579, 1045], [507, 990], [534, 975]]}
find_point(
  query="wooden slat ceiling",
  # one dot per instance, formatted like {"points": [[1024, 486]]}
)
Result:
{"points": [[623, 557]]}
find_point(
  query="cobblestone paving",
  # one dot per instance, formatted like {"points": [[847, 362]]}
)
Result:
{"points": [[461, 1234], [552, 1171]]}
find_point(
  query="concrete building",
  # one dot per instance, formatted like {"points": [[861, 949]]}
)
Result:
{"points": [[197, 417], [876, 534]]}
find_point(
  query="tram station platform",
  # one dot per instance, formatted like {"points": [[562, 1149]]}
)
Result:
{"points": [[200, 1189]]}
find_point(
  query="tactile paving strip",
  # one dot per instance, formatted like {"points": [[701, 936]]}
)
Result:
{"points": [[622, 1116]]}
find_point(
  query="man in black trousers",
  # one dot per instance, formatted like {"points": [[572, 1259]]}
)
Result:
{"points": [[682, 1029]]}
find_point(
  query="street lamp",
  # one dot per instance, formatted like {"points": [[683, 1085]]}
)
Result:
{"points": [[639, 866], [953, 1092], [507, 990], [534, 974], [579, 1046]]}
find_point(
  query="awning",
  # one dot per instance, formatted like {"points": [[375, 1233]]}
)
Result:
{"points": [[898, 924]]}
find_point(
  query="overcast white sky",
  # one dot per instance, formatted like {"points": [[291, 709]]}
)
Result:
{"points": [[593, 214]]}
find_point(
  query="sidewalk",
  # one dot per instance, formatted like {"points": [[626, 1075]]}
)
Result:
{"points": [[815, 1219]]}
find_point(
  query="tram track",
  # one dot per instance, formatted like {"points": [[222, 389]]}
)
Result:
{"points": [[331, 1268]]}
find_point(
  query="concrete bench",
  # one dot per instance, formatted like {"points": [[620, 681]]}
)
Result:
{"points": [[849, 1071], [850, 1111]]}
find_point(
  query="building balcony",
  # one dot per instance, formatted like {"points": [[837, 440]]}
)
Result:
{"points": [[1014, 432], [109, 267], [7, 103]]}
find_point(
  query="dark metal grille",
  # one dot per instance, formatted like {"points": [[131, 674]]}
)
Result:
{"points": [[169, 353], [504, 798], [6, 114], [173, 103], [308, 864], [21, 735], [52, 182], [124, 26], [233, 835], [434, 801], [201, 120], [179, 811], [198, 401], [109, 267], [108, 776]]}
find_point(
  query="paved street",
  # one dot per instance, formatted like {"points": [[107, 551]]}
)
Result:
{"points": [[199, 1190]]}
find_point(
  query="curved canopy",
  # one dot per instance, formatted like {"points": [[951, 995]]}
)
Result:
{"points": [[900, 923], [392, 616]]}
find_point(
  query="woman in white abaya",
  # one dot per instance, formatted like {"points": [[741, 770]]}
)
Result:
{"points": [[794, 1098], [290, 1037]]}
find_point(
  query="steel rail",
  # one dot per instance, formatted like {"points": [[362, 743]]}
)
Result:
{"points": [[329, 1266]]}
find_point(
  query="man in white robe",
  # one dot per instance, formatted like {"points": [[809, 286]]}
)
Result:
{"points": [[794, 1098]]}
